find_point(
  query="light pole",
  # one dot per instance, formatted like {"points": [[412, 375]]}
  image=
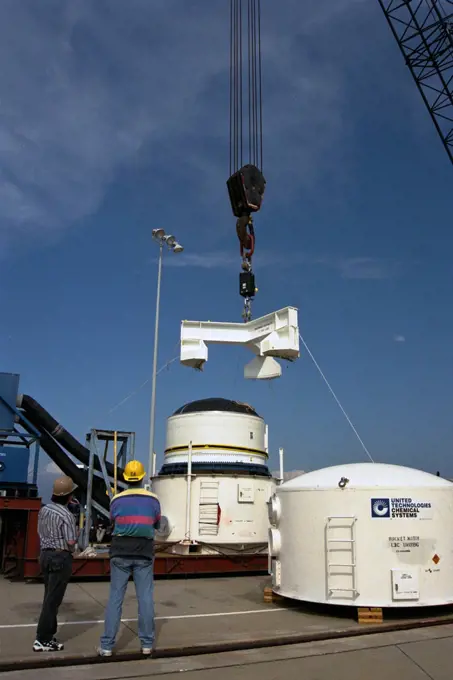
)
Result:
{"points": [[162, 239]]}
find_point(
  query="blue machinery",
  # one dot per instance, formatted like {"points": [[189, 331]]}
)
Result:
{"points": [[19, 451], [97, 478]]}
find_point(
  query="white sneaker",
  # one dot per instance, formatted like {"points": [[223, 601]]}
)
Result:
{"points": [[53, 646], [147, 651], [104, 652]]}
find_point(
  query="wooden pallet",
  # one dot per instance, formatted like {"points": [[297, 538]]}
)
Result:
{"points": [[365, 615], [270, 596], [370, 615]]}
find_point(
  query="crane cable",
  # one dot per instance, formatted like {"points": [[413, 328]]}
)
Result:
{"points": [[246, 182], [252, 18], [318, 368]]}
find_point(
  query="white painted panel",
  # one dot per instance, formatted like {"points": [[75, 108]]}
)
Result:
{"points": [[246, 493], [240, 523], [405, 584]]}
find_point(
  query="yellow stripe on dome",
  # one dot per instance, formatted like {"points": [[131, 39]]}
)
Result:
{"points": [[210, 447]]}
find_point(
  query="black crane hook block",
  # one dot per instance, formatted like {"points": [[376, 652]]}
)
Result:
{"points": [[246, 190], [247, 284]]}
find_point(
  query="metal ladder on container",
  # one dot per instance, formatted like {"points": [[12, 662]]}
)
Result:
{"points": [[351, 549], [208, 524]]}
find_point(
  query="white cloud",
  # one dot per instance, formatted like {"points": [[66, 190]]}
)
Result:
{"points": [[348, 268], [88, 88], [399, 338], [84, 89], [210, 260], [51, 469], [221, 260], [367, 268]]}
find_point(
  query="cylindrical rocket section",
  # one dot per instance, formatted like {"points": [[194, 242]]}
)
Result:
{"points": [[227, 437], [221, 497]]}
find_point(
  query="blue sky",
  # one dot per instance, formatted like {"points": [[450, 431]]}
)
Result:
{"points": [[114, 121]]}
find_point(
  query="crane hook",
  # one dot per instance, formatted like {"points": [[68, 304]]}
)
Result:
{"points": [[246, 235]]}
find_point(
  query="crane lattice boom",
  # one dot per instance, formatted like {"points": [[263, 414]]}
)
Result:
{"points": [[424, 32]]}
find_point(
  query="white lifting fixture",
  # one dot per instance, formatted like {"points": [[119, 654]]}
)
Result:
{"points": [[275, 335]]}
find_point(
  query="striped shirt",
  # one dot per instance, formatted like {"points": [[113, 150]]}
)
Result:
{"points": [[135, 513], [56, 528]]}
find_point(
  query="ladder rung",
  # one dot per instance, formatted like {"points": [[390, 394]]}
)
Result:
{"points": [[342, 590], [341, 540], [342, 565], [341, 517]]}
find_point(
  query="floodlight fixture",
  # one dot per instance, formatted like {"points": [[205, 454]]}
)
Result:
{"points": [[158, 234], [169, 240]]}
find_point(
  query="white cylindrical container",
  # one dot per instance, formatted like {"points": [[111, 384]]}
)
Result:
{"points": [[364, 534], [224, 510], [230, 483]]}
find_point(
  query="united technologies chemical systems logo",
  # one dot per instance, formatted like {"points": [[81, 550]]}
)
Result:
{"points": [[400, 508], [380, 507]]}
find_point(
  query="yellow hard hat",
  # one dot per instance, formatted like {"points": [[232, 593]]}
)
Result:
{"points": [[134, 471]]}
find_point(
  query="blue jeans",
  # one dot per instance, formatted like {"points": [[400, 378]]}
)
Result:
{"points": [[121, 568]]}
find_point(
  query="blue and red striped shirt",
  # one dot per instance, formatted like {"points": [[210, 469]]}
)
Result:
{"points": [[135, 513]]}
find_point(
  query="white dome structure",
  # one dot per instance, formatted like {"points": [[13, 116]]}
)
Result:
{"points": [[214, 484], [365, 534], [222, 432]]}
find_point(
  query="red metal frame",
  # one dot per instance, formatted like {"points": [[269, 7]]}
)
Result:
{"points": [[23, 552], [174, 565], [23, 549]]}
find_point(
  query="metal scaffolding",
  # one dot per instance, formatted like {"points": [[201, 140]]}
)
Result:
{"points": [[99, 443]]}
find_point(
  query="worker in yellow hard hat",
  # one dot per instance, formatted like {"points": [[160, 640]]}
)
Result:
{"points": [[135, 514], [134, 471]]}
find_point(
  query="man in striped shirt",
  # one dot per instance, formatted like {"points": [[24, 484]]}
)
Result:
{"points": [[135, 514], [58, 538]]}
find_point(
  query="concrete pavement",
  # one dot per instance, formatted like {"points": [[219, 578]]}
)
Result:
{"points": [[424, 654], [190, 614], [200, 616]]}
